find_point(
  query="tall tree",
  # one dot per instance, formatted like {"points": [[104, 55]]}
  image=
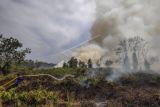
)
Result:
{"points": [[136, 47], [65, 65], [11, 53], [73, 62], [82, 64], [122, 52], [135, 61]]}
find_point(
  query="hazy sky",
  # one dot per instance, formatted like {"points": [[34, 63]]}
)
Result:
{"points": [[47, 26]]}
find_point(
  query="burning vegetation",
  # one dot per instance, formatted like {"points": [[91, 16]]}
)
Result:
{"points": [[115, 68]]}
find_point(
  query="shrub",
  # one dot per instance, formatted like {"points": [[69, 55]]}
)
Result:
{"points": [[37, 97], [2, 88], [8, 97]]}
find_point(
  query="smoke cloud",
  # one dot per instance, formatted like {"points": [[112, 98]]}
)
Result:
{"points": [[125, 18], [119, 19], [91, 51]]}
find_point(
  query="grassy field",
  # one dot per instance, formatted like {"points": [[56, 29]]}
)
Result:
{"points": [[131, 90]]}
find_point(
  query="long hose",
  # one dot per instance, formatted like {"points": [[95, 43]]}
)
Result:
{"points": [[11, 82], [55, 78]]}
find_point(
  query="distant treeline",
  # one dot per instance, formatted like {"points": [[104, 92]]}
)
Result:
{"points": [[75, 63], [37, 64]]}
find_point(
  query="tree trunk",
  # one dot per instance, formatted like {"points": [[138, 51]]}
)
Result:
{"points": [[135, 61], [4, 72], [4, 69], [147, 65]]}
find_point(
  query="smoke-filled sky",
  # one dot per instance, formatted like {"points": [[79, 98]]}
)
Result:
{"points": [[47, 26], [119, 19], [52, 26]]}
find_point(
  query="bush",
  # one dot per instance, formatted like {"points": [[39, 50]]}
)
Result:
{"points": [[35, 97], [2, 88], [8, 97]]}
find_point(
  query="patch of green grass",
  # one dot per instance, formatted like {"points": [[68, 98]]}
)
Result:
{"points": [[55, 71]]}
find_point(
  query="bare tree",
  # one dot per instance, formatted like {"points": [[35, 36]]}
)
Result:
{"points": [[122, 52], [138, 49]]}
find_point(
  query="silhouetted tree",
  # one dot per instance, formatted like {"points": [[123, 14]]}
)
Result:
{"points": [[89, 63], [36, 64], [29, 63], [10, 53], [82, 64], [136, 46], [65, 65], [73, 62], [135, 61], [122, 52]]}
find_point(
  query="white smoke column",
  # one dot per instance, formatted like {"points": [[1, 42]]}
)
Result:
{"points": [[126, 18], [91, 51], [118, 19]]}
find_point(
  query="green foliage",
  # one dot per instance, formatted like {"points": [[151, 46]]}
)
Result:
{"points": [[73, 62], [10, 53], [82, 64], [7, 77], [2, 88], [18, 68], [94, 81], [8, 96], [38, 97], [34, 97], [59, 72], [65, 65]]}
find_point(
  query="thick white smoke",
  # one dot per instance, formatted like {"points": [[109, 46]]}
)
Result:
{"points": [[126, 18], [118, 19], [90, 51]]}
